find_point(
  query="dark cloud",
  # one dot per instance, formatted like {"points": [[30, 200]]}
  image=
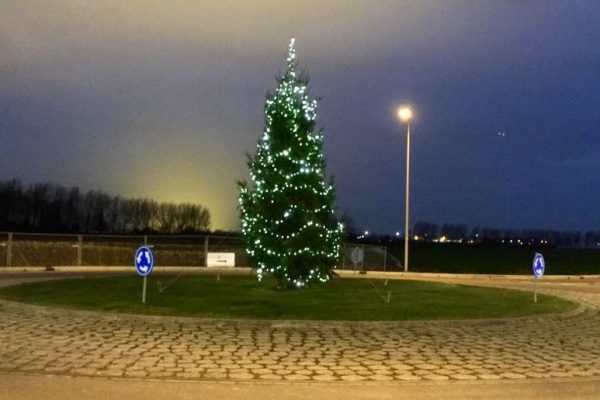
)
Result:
{"points": [[145, 98]]}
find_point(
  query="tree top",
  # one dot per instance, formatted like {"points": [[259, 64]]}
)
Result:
{"points": [[291, 58]]}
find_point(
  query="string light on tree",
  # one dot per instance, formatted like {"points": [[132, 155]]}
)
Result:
{"points": [[287, 211]]}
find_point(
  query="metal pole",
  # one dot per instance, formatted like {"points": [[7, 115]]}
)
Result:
{"points": [[145, 240], [362, 261], [535, 290], [384, 258], [9, 250], [206, 251], [407, 190], [79, 250], [144, 291]]}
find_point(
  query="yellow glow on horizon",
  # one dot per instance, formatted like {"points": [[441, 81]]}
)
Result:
{"points": [[166, 170]]}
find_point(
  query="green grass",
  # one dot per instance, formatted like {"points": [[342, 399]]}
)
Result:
{"points": [[244, 297]]}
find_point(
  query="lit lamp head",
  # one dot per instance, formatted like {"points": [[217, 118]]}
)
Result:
{"points": [[405, 114]]}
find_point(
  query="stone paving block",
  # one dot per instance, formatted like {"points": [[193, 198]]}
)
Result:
{"points": [[463, 377], [339, 368], [401, 367], [189, 375], [214, 375], [31, 367], [304, 372], [241, 376], [261, 371], [136, 374], [271, 377], [57, 369], [379, 377], [352, 378], [537, 375], [111, 372], [84, 371], [407, 377], [512, 375], [436, 377], [561, 374], [295, 377], [324, 378]]}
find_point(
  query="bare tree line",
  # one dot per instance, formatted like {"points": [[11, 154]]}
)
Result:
{"points": [[48, 207]]}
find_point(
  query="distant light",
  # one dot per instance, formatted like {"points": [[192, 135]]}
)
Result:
{"points": [[417, 237], [366, 233], [405, 113], [443, 239]]}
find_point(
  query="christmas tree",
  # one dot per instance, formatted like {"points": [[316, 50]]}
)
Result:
{"points": [[287, 213]]}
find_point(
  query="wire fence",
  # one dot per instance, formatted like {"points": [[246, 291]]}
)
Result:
{"points": [[50, 250]]}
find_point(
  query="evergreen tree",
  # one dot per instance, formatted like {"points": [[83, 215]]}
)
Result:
{"points": [[288, 224]]}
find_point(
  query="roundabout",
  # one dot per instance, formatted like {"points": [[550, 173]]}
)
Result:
{"points": [[85, 343]]}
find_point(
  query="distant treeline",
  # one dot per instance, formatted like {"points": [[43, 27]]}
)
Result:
{"points": [[429, 230], [48, 207]]}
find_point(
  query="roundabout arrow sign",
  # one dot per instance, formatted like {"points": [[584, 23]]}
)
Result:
{"points": [[144, 262], [539, 266]]}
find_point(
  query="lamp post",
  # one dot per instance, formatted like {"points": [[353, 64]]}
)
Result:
{"points": [[405, 114]]}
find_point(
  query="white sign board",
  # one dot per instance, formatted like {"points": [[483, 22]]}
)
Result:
{"points": [[356, 255], [220, 260]]}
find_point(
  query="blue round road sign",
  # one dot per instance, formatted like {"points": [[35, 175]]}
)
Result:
{"points": [[144, 261], [539, 265]]}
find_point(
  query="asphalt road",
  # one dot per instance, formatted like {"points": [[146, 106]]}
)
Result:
{"points": [[35, 387]]}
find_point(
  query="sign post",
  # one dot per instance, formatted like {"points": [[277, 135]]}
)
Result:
{"points": [[144, 262], [539, 265], [356, 255], [144, 290]]}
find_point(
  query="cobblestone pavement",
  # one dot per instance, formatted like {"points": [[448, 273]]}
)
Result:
{"points": [[37, 339]]}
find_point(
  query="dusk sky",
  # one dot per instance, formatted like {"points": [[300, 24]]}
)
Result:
{"points": [[163, 100]]}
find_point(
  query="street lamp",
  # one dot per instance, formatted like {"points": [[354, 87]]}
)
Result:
{"points": [[405, 114]]}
